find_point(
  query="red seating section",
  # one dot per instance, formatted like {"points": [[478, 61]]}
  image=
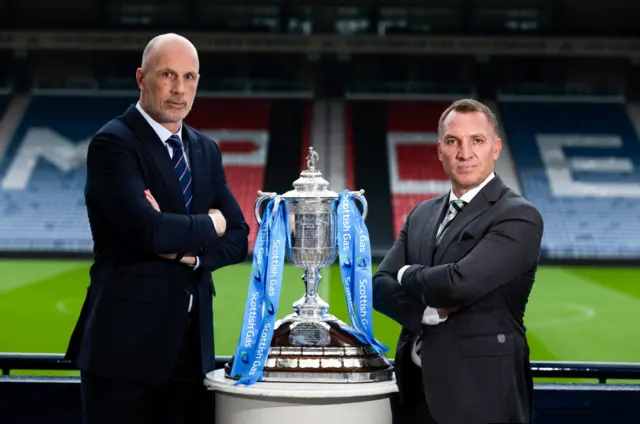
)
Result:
{"points": [[414, 168], [241, 128]]}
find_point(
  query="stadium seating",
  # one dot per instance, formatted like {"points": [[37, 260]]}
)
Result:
{"points": [[415, 172], [41, 201], [241, 128], [578, 163], [43, 173]]}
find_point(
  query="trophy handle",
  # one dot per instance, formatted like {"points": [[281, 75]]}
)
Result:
{"points": [[365, 206], [262, 196]]}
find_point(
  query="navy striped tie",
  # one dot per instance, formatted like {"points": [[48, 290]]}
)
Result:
{"points": [[182, 169]]}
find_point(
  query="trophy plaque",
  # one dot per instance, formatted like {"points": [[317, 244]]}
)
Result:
{"points": [[310, 344]]}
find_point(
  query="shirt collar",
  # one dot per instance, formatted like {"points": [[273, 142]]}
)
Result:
{"points": [[162, 132], [469, 195]]}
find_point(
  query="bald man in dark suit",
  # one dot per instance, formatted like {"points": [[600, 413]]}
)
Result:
{"points": [[162, 219]]}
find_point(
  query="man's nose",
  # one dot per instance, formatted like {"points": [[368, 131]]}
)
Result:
{"points": [[178, 86], [465, 151]]}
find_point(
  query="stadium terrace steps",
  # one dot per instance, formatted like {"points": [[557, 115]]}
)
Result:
{"points": [[504, 165], [634, 114], [578, 163], [12, 109], [328, 139], [319, 127], [349, 165], [367, 121], [289, 131], [335, 141]]}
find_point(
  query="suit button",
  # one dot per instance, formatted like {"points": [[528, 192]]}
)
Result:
{"points": [[501, 338]]}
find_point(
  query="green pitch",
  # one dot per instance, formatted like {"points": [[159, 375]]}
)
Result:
{"points": [[574, 314]]}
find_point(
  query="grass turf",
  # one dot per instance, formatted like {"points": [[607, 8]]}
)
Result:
{"points": [[574, 313]]}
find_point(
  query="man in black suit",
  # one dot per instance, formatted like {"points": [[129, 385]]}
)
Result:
{"points": [[458, 279], [162, 219]]}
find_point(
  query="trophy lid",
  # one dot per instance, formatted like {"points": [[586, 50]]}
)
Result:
{"points": [[311, 185]]}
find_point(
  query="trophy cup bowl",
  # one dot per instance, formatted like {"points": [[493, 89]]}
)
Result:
{"points": [[311, 345]]}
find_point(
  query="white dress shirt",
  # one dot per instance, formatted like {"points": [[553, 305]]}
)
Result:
{"points": [[164, 134], [430, 315]]}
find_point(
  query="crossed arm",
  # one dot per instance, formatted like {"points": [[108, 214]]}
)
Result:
{"points": [[231, 243], [389, 297], [508, 249], [115, 183]]}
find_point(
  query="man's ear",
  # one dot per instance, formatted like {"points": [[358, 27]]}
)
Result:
{"points": [[139, 77], [498, 149]]}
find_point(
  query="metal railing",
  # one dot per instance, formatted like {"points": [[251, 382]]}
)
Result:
{"points": [[601, 371]]}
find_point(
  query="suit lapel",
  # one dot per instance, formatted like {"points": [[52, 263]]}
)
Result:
{"points": [[161, 158], [479, 205], [197, 160], [428, 233]]}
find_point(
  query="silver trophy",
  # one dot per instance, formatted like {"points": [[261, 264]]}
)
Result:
{"points": [[311, 345]]}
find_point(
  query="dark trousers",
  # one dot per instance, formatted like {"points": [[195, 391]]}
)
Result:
{"points": [[413, 404], [182, 400], [413, 408]]}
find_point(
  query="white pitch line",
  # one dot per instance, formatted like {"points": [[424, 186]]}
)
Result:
{"points": [[578, 313], [63, 306]]}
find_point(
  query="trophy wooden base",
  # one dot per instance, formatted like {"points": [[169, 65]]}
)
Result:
{"points": [[320, 352]]}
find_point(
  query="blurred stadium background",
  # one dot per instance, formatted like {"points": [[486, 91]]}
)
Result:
{"points": [[364, 82]]}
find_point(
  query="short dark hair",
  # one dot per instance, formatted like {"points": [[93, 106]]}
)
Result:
{"points": [[469, 105]]}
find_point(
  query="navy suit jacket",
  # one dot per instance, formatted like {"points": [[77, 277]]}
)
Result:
{"points": [[135, 312]]}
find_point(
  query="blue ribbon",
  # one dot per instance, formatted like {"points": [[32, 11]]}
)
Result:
{"points": [[354, 249], [263, 295]]}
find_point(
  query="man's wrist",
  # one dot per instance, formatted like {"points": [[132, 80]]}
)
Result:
{"points": [[401, 272], [196, 263]]}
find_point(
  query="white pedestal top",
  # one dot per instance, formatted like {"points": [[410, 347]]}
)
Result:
{"points": [[217, 381]]}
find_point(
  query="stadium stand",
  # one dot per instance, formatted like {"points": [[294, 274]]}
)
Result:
{"points": [[394, 147], [41, 192], [349, 169], [366, 120], [561, 85], [42, 200], [578, 163], [415, 172], [241, 128]]}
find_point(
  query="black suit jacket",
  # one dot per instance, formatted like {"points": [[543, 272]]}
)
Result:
{"points": [[135, 312], [475, 365]]}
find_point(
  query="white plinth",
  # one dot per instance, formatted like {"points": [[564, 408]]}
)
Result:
{"points": [[296, 403]]}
